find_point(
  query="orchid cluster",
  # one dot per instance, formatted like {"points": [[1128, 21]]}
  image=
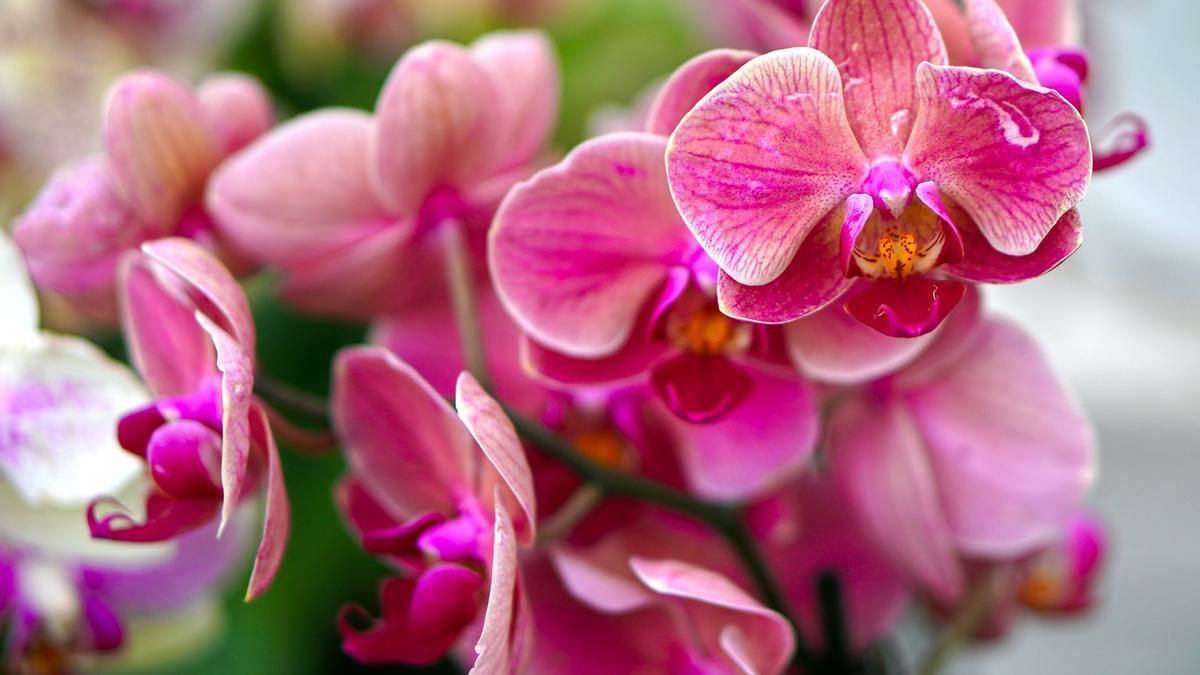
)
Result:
{"points": [[716, 393]]}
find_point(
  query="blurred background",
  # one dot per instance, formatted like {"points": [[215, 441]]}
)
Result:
{"points": [[1121, 319]]}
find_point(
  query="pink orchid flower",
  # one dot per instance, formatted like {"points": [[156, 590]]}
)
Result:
{"points": [[652, 597], [1061, 578], [813, 166], [205, 439], [592, 260], [973, 450], [446, 498], [347, 204], [161, 142]]}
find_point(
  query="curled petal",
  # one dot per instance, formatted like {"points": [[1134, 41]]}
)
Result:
{"points": [[1120, 141], [166, 518], [877, 46], [689, 83], [524, 68], [578, 250], [905, 309], [237, 389], [762, 159], [208, 284], [984, 264], [237, 107], [159, 144], [435, 124], [1015, 156], [496, 655], [277, 520]]}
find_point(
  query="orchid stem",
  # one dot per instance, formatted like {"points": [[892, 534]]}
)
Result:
{"points": [[964, 626], [457, 263], [578, 507], [284, 395]]}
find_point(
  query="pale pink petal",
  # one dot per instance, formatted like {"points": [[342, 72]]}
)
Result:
{"points": [[600, 578], [208, 284], [402, 440], [238, 109], [879, 459], [756, 639], [812, 281], [766, 440], [689, 83], [1012, 451], [1015, 156], [576, 251], [277, 519], [762, 159], [982, 263], [952, 24], [435, 124], [160, 145], [524, 69], [996, 43], [170, 350], [492, 430], [237, 389], [833, 346], [495, 644], [877, 45], [1044, 23], [301, 188]]}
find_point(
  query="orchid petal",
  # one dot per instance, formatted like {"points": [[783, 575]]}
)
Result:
{"points": [[1015, 156], [494, 649], [813, 280], [435, 124], [629, 364], [492, 430], [166, 518], [906, 308], [700, 389], [159, 144], [984, 264], [833, 346], [762, 159], [599, 578], [576, 252], [690, 83], [755, 638], [237, 389], [524, 68], [878, 45], [995, 41], [208, 284], [880, 460], [402, 440], [1011, 449], [1044, 23], [238, 109], [277, 520], [19, 323]]}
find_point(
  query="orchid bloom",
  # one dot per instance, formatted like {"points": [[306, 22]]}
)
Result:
{"points": [[349, 205], [591, 259], [652, 597], [1060, 578], [973, 450], [446, 498], [205, 439], [161, 142], [865, 156], [64, 595]]}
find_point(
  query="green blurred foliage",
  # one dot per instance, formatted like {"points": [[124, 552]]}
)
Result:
{"points": [[610, 51]]}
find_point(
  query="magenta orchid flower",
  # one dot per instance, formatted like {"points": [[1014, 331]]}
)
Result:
{"points": [[161, 142], [813, 166], [1061, 578], [205, 439], [347, 204], [592, 260], [974, 450], [446, 498], [652, 597]]}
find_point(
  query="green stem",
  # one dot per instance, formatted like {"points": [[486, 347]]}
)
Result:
{"points": [[461, 284], [970, 618]]}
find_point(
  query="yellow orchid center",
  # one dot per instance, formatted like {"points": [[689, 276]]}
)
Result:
{"points": [[900, 248], [708, 332]]}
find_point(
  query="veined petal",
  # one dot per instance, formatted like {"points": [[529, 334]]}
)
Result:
{"points": [[237, 387], [729, 621], [762, 159], [758, 445], [402, 440], [60, 399], [995, 41], [159, 144], [690, 83], [877, 46], [879, 459], [812, 281], [578, 250], [497, 438], [833, 346], [1015, 156], [238, 109], [524, 69], [435, 124], [1002, 431], [19, 323], [277, 519], [982, 263], [208, 284], [494, 648], [300, 187]]}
